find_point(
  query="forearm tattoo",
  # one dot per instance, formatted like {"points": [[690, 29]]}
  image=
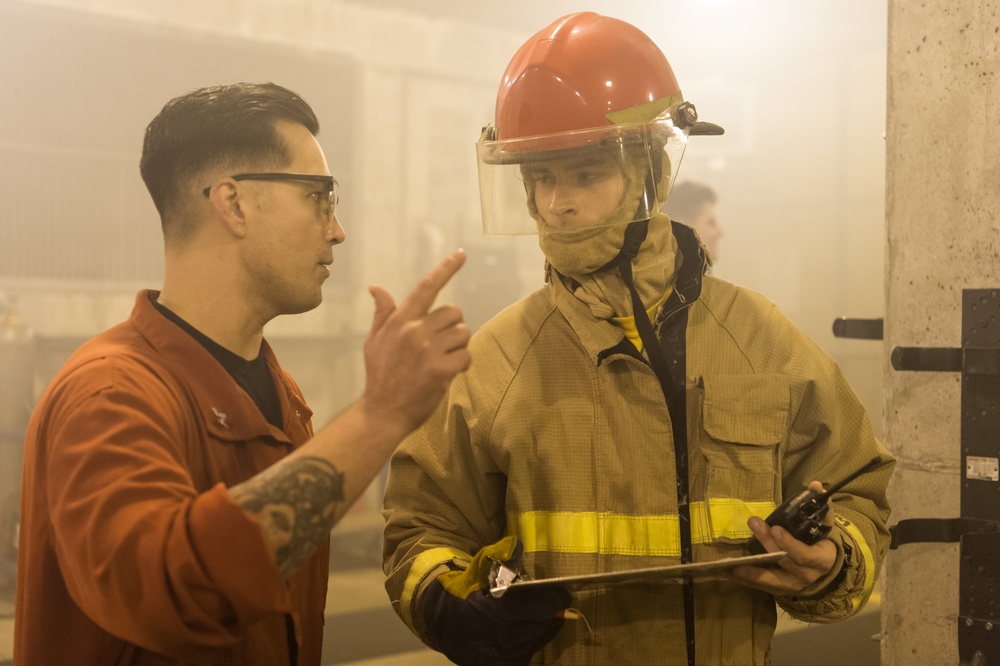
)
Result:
{"points": [[295, 502]]}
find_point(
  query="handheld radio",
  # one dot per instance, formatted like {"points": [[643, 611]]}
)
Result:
{"points": [[803, 514]]}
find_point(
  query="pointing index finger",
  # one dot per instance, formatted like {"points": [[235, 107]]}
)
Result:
{"points": [[419, 301]]}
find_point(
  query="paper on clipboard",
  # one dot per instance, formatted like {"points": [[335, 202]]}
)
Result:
{"points": [[670, 573]]}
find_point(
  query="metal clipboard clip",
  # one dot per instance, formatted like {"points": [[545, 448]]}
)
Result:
{"points": [[501, 578]]}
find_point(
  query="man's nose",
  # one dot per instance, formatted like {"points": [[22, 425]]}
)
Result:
{"points": [[335, 233], [563, 201]]}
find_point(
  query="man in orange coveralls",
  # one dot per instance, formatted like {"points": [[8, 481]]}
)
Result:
{"points": [[177, 504]]}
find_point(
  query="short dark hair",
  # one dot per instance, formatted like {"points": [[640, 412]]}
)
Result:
{"points": [[686, 200], [227, 125]]}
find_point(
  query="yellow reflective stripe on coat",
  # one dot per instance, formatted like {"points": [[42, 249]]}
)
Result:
{"points": [[866, 555], [622, 534], [423, 563]]}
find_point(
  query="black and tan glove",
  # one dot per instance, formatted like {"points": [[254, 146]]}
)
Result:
{"points": [[471, 627]]}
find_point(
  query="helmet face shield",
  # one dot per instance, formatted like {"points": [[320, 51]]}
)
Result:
{"points": [[570, 181]]}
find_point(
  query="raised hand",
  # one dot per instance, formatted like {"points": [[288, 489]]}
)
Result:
{"points": [[412, 352]]}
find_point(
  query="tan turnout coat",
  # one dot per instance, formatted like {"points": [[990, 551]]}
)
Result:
{"points": [[559, 433]]}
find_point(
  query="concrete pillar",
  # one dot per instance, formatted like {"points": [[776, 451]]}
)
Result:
{"points": [[942, 205]]}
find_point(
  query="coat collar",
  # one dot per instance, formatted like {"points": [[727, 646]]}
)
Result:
{"points": [[687, 288]]}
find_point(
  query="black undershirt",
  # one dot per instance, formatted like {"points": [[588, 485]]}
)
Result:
{"points": [[254, 377]]}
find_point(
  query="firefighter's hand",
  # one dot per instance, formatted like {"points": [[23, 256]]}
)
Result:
{"points": [[473, 628], [801, 567], [412, 352]]}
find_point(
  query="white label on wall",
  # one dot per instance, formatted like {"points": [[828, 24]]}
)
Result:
{"points": [[982, 469]]}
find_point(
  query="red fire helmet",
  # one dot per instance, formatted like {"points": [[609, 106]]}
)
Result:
{"points": [[584, 82]]}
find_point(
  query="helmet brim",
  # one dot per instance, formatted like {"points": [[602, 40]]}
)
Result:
{"points": [[702, 128]]}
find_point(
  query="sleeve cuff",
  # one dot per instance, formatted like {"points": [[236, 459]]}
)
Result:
{"points": [[832, 597], [823, 586], [235, 557]]}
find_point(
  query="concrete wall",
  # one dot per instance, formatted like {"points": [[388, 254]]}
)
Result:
{"points": [[942, 201]]}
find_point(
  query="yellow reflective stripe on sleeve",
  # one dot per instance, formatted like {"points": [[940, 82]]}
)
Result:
{"points": [[423, 563], [866, 555], [622, 534]]}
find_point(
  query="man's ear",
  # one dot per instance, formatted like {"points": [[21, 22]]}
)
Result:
{"points": [[228, 203]]}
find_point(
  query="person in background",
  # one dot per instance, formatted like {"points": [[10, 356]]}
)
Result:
{"points": [[632, 413], [176, 503], [693, 204]]}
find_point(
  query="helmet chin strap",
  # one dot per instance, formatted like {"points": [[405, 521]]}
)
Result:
{"points": [[635, 235]]}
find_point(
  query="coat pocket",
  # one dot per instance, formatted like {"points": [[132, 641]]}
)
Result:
{"points": [[744, 420]]}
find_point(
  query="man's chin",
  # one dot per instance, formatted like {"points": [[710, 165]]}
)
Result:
{"points": [[304, 305]]}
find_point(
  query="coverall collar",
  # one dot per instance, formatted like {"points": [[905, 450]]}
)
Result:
{"points": [[228, 412]]}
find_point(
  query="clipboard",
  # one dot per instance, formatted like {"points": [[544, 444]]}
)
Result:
{"points": [[503, 579]]}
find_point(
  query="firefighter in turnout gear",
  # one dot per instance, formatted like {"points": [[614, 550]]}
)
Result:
{"points": [[633, 412]]}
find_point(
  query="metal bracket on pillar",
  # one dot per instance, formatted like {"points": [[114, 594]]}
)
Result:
{"points": [[978, 528], [861, 329]]}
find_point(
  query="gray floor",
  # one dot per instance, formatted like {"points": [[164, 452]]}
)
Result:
{"points": [[853, 641]]}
